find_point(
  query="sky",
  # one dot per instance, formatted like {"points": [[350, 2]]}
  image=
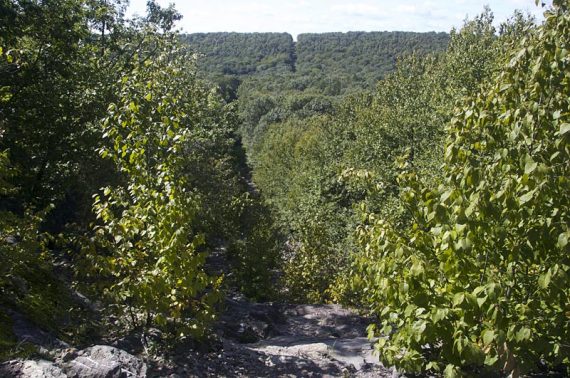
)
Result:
{"points": [[317, 16]]}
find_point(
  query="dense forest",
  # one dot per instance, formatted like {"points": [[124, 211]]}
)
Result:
{"points": [[361, 58], [276, 78], [242, 54], [419, 178]]}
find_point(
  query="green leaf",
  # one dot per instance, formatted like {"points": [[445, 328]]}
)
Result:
{"points": [[371, 331], [419, 328], [527, 197], [433, 365], [504, 87], [458, 299], [488, 336], [481, 301], [530, 165], [439, 315], [451, 371], [460, 227], [522, 334], [491, 360], [445, 195], [409, 309], [417, 269], [544, 279], [562, 240], [478, 290], [564, 128]]}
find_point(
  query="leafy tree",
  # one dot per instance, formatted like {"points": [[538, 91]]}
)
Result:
{"points": [[62, 63], [28, 283], [480, 276], [297, 162], [274, 72], [59, 87], [293, 174], [150, 220], [242, 54]]}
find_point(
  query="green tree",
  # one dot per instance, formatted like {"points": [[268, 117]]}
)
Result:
{"points": [[150, 220], [480, 276], [297, 162]]}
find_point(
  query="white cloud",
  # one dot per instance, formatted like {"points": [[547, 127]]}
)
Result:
{"points": [[298, 16]]}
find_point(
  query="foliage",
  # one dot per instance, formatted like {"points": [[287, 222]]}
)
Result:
{"points": [[27, 282], [46, 90], [277, 79], [294, 177], [30, 287], [463, 264], [297, 162], [254, 249], [480, 275], [62, 63], [150, 219], [7, 338], [242, 53], [361, 58], [324, 61]]}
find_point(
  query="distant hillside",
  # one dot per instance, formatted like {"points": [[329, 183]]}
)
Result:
{"points": [[243, 53], [361, 58], [276, 79]]}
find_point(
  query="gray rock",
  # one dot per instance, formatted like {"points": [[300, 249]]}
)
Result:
{"points": [[104, 361], [82, 367], [83, 300], [250, 322], [31, 369], [20, 284], [11, 239], [68, 354]]}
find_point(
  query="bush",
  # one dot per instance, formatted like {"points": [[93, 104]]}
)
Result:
{"points": [[481, 275]]}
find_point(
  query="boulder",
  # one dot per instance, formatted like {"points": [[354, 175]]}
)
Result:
{"points": [[30, 369], [104, 361]]}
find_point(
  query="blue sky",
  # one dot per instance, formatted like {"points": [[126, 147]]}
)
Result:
{"points": [[311, 16]]}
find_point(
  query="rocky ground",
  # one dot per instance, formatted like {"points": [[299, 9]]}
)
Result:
{"points": [[254, 340], [289, 341], [251, 340]]}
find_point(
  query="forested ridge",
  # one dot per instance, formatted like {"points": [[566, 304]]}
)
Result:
{"points": [[276, 77], [362, 56], [243, 53], [148, 178]]}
